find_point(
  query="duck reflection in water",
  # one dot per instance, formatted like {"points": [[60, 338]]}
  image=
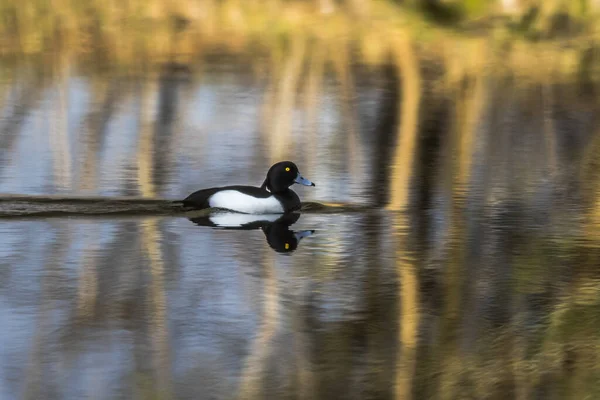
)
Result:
{"points": [[276, 227]]}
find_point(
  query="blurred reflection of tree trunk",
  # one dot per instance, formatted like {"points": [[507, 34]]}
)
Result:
{"points": [[268, 106], [406, 143], [146, 151], [105, 100], [465, 258], [452, 255], [285, 98], [470, 106], [255, 364], [469, 97], [117, 270], [59, 128], [26, 100], [167, 123], [312, 97], [87, 290], [384, 134], [4, 95], [549, 129], [151, 241], [341, 62], [159, 331], [186, 92], [381, 310], [303, 349], [36, 383], [589, 172], [589, 177], [556, 347], [409, 318]]}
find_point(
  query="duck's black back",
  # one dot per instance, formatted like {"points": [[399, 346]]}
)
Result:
{"points": [[289, 200]]}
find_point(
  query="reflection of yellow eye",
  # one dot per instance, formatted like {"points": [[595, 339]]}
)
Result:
{"points": [[287, 169], [287, 246]]}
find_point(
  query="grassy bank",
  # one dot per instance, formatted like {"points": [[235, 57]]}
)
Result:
{"points": [[539, 41]]}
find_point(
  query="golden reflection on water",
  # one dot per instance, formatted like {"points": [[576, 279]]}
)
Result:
{"points": [[408, 320], [284, 101], [256, 362], [151, 244], [404, 156], [159, 332]]}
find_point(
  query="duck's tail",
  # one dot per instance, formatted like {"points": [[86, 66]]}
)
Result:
{"points": [[180, 205]]}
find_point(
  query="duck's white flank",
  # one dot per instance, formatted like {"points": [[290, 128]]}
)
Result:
{"points": [[232, 220], [240, 202]]}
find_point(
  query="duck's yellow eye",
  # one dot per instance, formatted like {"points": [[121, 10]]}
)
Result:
{"points": [[287, 246], [287, 169]]}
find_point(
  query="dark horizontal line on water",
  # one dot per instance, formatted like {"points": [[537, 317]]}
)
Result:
{"points": [[56, 206]]}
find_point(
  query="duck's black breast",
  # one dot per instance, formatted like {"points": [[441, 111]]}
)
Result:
{"points": [[289, 200], [200, 198]]}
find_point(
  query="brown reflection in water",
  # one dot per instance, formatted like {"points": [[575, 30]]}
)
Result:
{"points": [[305, 374], [255, 364], [88, 279], [286, 89], [342, 65], [107, 96], [406, 142], [173, 78], [59, 127], [26, 92], [409, 318], [589, 176], [159, 332], [312, 92], [40, 380], [470, 99], [146, 150], [551, 150], [151, 239]]}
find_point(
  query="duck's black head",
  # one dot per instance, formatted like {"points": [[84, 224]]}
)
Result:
{"points": [[283, 175]]}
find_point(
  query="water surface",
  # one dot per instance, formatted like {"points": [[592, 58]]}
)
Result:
{"points": [[486, 287]]}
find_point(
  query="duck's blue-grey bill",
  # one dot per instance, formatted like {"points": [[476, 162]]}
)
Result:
{"points": [[302, 234], [303, 181]]}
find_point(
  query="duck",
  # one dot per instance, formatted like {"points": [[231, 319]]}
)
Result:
{"points": [[274, 196]]}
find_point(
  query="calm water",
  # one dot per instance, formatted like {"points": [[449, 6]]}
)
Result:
{"points": [[484, 289]]}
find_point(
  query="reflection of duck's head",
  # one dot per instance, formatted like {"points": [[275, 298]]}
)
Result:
{"points": [[282, 239], [275, 227]]}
